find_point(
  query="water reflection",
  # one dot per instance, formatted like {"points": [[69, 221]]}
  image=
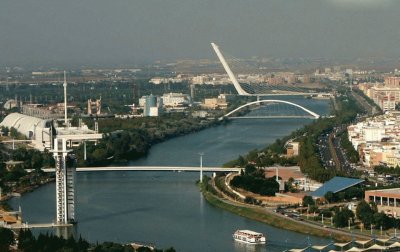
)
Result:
{"points": [[240, 246]]}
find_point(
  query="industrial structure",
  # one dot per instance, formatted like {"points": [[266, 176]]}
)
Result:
{"points": [[151, 104], [65, 182], [37, 110], [94, 107]]}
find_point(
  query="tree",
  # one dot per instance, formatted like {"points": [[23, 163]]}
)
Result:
{"points": [[144, 249], [6, 239], [308, 201], [5, 130], [112, 247], [249, 169], [13, 132], [381, 220], [342, 217], [26, 240], [365, 213]]}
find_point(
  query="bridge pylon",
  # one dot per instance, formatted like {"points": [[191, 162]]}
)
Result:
{"points": [[65, 182]]}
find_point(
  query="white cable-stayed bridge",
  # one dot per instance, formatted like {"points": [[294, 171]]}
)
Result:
{"points": [[265, 90], [259, 89]]}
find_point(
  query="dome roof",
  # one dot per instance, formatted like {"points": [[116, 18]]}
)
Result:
{"points": [[23, 124]]}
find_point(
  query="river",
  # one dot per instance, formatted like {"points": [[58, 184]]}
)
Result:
{"points": [[166, 208]]}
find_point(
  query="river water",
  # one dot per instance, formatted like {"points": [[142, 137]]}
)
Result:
{"points": [[166, 208]]}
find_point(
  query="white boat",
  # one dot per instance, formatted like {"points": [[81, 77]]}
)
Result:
{"points": [[249, 237]]}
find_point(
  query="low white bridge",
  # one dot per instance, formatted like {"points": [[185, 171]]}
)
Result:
{"points": [[38, 225], [271, 117], [151, 168]]}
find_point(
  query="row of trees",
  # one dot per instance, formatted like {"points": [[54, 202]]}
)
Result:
{"points": [[351, 153], [366, 213], [51, 243], [30, 159], [380, 169], [136, 137], [12, 132]]}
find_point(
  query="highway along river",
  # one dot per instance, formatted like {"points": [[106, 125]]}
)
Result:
{"points": [[166, 208]]}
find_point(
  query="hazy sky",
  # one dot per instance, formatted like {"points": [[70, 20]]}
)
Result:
{"points": [[137, 31]]}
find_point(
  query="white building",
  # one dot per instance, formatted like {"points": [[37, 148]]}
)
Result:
{"points": [[175, 100], [373, 133]]}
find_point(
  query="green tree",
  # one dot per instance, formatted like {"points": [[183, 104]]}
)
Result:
{"points": [[308, 201], [5, 130], [342, 217], [365, 213], [249, 169], [13, 132], [382, 220], [6, 239], [26, 240]]}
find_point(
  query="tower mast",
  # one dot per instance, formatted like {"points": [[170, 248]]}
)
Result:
{"points": [[65, 99], [228, 70]]}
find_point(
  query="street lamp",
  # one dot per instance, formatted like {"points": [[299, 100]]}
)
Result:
{"points": [[201, 166]]}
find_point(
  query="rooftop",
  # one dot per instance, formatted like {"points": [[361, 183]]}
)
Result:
{"points": [[388, 191], [335, 185]]}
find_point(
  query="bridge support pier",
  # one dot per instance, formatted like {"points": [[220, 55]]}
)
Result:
{"points": [[201, 167], [84, 150]]}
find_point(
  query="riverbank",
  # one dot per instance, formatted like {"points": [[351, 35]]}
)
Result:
{"points": [[126, 140], [267, 216], [307, 136], [18, 191]]}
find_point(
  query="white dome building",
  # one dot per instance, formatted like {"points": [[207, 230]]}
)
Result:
{"points": [[35, 129], [26, 125]]}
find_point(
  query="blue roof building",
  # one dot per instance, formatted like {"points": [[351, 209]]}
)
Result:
{"points": [[335, 185]]}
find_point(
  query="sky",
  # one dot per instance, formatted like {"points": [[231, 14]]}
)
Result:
{"points": [[60, 32]]}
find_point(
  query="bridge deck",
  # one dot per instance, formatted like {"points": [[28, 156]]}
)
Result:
{"points": [[39, 225], [151, 168], [269, 117]]}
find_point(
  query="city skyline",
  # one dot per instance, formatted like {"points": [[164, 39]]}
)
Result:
{"points": [[134, 32]]}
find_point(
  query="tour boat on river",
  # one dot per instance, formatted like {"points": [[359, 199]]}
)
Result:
{"points": [[249, 237]]}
